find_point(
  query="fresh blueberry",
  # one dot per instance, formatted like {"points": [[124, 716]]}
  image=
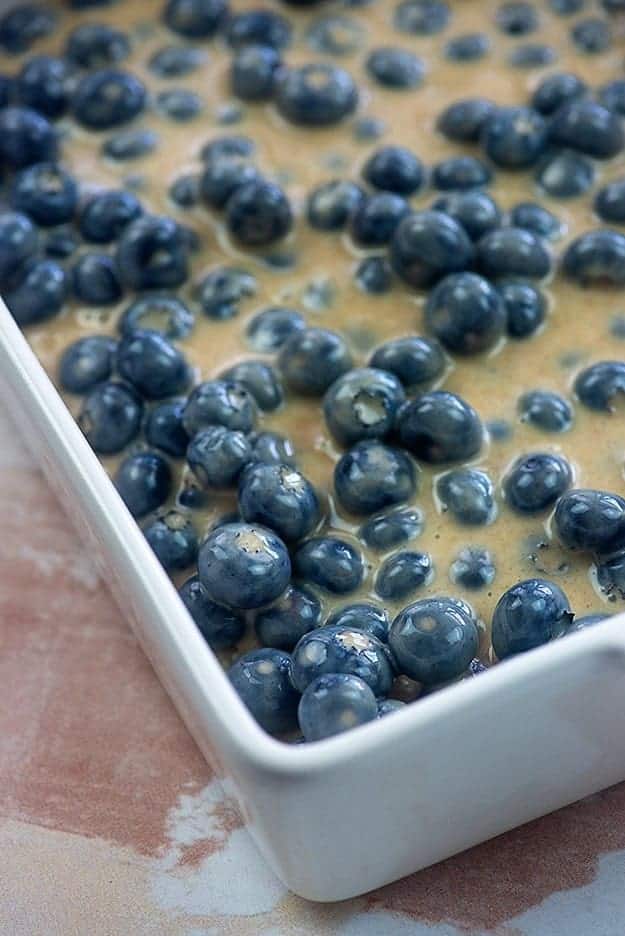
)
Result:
{"points": [[152, 253], [286, 621], [464, 120], [473, 568], [395, 68], [516, 18], [262, 679], [610, 202], [372, 476], [130, 144], [388, 706], [173, 539], [258, 27], [191, 495], [598, 387], [279, 497], [535, 218], [475, 211], [108, 98], [421, 17], [590, 520], [545, 410], [457, 173], [536, 481], [110, 417], [316, 95], [158, 312], [434, 640], [426, 246], [330, 205], [61, 242], [18, 243], [468, 47], [96, 45], [592, 35], [529, 614], [7, 88], [23, 25], [532, 55], [270, 328], [144, 482], [104, 216], [439, 427], [46, 193], [566, 7], [94, 280], [45, 84], [260, 379], [243, 566], [258, 214], [335, 35], [86, 363], [164, 429], [391, 529], [184, 191], [588, 620], [335, 703], [220, 403], [312, 359], [342, 650], [195, 19], [331, 563], [555, 90], [220, 627], [588, 127], [227, 146], [253, 72], [612, 96], [596, 258], [368, 129], [217, 456], [402, 574], [39, 293], [270, 448], [376, 219], [373, 275], [525, 308], [26, 137], [514, 137], [415, 361], [468, 495], [466, 313], [365, 617], [565, 175], [151, 363], [511, 251], [610, 572], [222, 291], [176, 61], [362, 404], [179, 104], [394, 169]]}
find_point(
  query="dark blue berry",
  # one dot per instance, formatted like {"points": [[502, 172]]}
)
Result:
{"points": [[269, 329], [555, 90], [363, 617], [592, 35], [611, 575], [18, 243], [466, 313], [372, 476], [260, 379], [217, 456], [262, 679], [342, 650], [158, 312], [596, 258], [23, 25], [179, 104], [26, 137], [464, 120], [227, 146], [374, 275], [104, 216], [434, 640], [402, 574], [258, 27], [362, 404], [473, 568], [286, 621], [312, 359], [536, 481], [588, 127], [330, 205], [545, 410], [468, 495], [525, 307], [152, 253], [368, 129], [86, 363], [460, 172], [253, 73], [184, 191], [173, 539], [593, 521], [151, 363], [566, 7], [610, 202], [335, 703], [164, 429], [395, 68], [394, 169], [144, 482], [376, 219], [535, 218], [426, 246], [316, 95], [440, 427], [195, 19], [108, 98], [110, 417], [175, 61], [45, 84], [335, 35], [270, 448], [599, 386], [220, 627], [516, 18], [39, 293], [279, 497], [220, 403], [222, 291], [61, 242], [96, 45], [532, 55], [331, 563], [588, 620], [514, 137], [612, 96], [421, 17], [391, 529], [565, 175], [388, 706], [475, 211], [46, 193], [95, 281], [511, 251], [468, 47], [529, 614], [258, 214]]}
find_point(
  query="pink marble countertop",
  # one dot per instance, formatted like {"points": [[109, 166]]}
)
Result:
{"points": [[110, 821]]}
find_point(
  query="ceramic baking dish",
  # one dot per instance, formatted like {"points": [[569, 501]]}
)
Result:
{"points": [[343, 816]]}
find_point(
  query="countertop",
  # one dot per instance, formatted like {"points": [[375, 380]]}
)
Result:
{"points": [[110, 821]]}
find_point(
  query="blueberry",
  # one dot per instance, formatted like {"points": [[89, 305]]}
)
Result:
{"points": [[468, 495], [394, 169], [367, 129], [286, 621], [331, 563], [46, 193], [260, 380], [439, 427], [195, 19], [164, 429], [388, 706], [421, 17], [529, 614], [330, 205], [96, 45], [191, 495], [258, 214], [512, 251], [335, 703], [227, 146], [335, 35], [217, 456], [45, 84], [395, 68], [316, 95], [473, 568], [110, 417], [566, 7], [372, 476], [179, 104], [152, 253], [475, 211], [184, 191], [426, 246], [362, 404], [610, 572], [154, 367], [270, 448], [39, 293], [599, 385], [466, 313], [514, 137], [222, 177], [18, 242], [175, 61], [532, 55], [243, 566], [376, 219], [222, 291], [464, 120], [221, 403], [61, 242], [525, 308], [590, 520], [516, 18], [588, 620], [173, 539], [253, 72], [457, 173], [565, 175], [270, 328], [220, 627], [587, 127], [535, 218], [365, 617], [596, 258], [23, 25], [342, 650], [86, 363], [158, 312], [546, 410], [144, 482], [26, 137], [434, 640], [281, 498], [555, 90], [612, 96], [610, 202], [402, 573], [262, 680], [592, 35], [536, 481], [258, 27], [108, 98], [468, 47], [104, 216], [94, 280], [312, 359], [391, 529], [373, 275]]}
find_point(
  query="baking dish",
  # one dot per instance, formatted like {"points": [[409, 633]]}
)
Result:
{"points": [[340, 817]]}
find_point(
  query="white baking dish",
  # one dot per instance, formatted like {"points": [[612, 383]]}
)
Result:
{"points": [[343, 816]]}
